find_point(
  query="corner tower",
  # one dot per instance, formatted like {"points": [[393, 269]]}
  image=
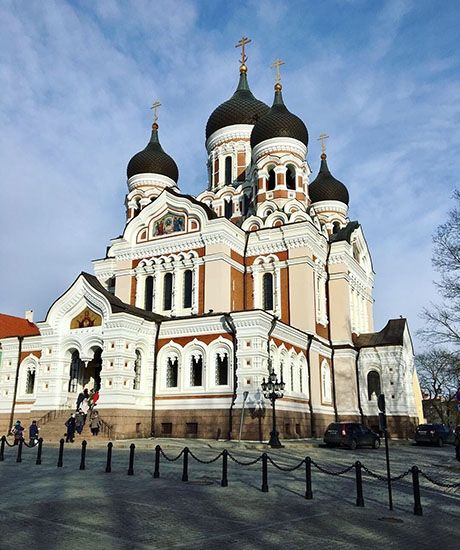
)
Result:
{"points": [[279, 144], [149, 172]]}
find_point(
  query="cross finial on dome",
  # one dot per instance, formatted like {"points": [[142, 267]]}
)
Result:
{"points": [[322, 138], [276, 65], [155, 105], [241, 44]]}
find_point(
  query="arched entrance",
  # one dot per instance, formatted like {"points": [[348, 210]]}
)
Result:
{"points": [[92, 372]]}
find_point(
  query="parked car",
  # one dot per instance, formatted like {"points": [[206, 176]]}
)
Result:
{"points": [[436, 434], [350, 434]]}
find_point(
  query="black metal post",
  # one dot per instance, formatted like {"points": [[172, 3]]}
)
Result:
{"points": [[156, 473], [108, 466], [61, 453], [359, 485], [308, 490], [19, 457], [274, 434], [185, 465], [39, 451], [2, 449], [416, 485], [387, 456], [264, 473], [131, 459], [224, 482], [83, 454]]}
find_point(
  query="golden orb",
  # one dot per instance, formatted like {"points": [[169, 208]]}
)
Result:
{"points": [[243, 68], [278, 87]]}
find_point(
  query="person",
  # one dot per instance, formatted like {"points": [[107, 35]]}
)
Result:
{"points": [[79, 422], [94, 398], [33, 433], [70, 423], [18, 431], [95, 423], [81, 396]]}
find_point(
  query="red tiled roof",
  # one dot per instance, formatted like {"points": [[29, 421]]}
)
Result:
{"points": [[16, 326]]}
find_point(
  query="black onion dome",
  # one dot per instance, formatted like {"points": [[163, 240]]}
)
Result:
{"points": [[153, 160], [241, 108], [325, 187], [279, 122]]}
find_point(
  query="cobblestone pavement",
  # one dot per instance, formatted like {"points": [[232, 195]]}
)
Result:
{"points": [[65, 508]]}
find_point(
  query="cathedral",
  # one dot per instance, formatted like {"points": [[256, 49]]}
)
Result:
{"points": [[201, 298]]}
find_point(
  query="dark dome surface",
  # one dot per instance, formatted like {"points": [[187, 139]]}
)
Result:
{"points": [[325, 187], [241, 108], [153, 160], [279, 122]]}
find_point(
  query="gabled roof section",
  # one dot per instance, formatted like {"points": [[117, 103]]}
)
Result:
{"points": [[391, 335], [11, 326], [116, 305], [344, 234]]}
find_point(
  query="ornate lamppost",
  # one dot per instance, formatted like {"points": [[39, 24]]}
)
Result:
{"points": [[273, 390]]}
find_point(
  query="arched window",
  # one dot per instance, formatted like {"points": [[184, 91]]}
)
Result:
{"points": [[222, 369], [326, 382], [268, 291], [228, 208], [30, 381], [188, 284], [196, 371], [74, 372], [228, 170], [301, 380], [373, 384], [292, 377], [246, 203], [137, 371], [172, 372], [335, 227], [167, 291], [148, 298], [290, 177], [271, 180]]}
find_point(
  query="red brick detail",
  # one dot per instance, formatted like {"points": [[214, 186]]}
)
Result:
{"points": [[237, 290], [35, 353], [184, 340], [288, 345], [133, 291]]}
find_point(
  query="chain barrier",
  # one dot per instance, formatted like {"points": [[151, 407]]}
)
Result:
{"points": [[439, 483], [285, 469], [251, 463], [384, 478], [8, 443], [30, 446], [206, 461], [171, 459], [329, 472]]}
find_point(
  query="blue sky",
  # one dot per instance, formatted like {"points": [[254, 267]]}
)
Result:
{"points": [[78, 77]]}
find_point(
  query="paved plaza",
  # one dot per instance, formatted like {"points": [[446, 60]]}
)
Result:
{"points": [[45, 507]]}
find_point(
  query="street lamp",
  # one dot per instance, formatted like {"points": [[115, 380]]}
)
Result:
{"points": [[273, 390]]}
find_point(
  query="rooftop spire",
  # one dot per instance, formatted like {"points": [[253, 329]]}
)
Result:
{"points": [[241, 44], [155, 105], [276, 65], [322, 138]]}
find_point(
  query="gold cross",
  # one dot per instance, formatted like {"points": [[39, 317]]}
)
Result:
{"points": [[155, 106], [322, 138], [241, 44], [276, 65]]}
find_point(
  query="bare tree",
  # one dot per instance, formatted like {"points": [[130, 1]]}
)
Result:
{"points": [[439, 376]]}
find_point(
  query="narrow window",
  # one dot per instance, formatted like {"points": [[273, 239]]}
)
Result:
{"points": [[326, 382], [271, 180], [301, 380], [188, 283], [167, 291], [148, 298], [222, 369], [335, 227], [246, 203], [196, 374], [137, 371], [228, 207], [292, 377], [172, 371], [290, 177], [30, 384], [373, 384], [228, 170], [268, 291]]}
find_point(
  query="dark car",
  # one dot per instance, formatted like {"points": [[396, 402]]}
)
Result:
{"points": [[350, 434], [436, 434]]}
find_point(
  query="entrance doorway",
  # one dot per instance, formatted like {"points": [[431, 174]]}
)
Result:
{"points": [[92, 372]]}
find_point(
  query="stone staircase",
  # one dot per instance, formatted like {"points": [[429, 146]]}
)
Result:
{"points": [[52, 427]]}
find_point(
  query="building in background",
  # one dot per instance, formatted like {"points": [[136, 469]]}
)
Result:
{"points": [[200, 297]]}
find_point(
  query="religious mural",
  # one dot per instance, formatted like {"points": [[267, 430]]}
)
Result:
{"points": [[169, 223], [86, 318]]}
